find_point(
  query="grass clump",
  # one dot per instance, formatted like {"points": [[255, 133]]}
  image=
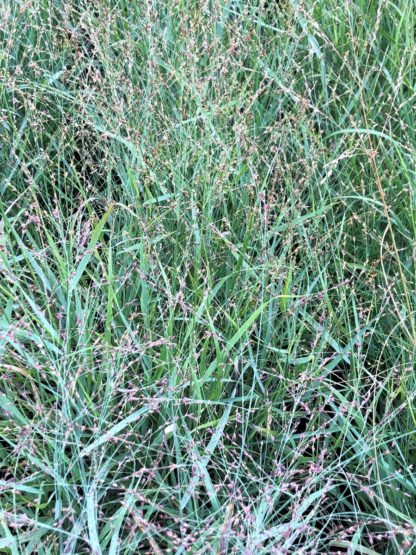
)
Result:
{"points": [[207, 277]]}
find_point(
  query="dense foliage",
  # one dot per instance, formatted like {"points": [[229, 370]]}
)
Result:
{"points": [[207, 277]]}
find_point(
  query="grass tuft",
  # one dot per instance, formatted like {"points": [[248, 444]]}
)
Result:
{"points": [[207, 277]]}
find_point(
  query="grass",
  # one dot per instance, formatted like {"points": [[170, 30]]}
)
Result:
{"points": [[207, 277]]}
